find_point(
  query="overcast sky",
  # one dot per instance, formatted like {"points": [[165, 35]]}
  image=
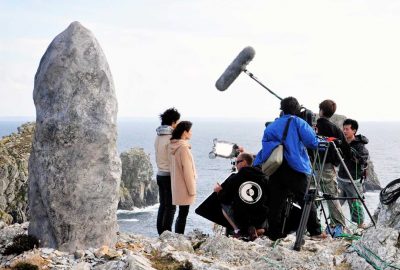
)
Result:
{"points": [[170, 53]]}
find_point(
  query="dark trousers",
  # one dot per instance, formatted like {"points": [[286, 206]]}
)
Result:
{"points": [[180, 222], [166, 211], [283, 181]]}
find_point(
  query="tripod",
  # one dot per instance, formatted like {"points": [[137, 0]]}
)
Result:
{"points": [[312, 195]]}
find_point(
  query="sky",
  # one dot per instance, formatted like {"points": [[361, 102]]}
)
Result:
{"points": [[170, 53]]}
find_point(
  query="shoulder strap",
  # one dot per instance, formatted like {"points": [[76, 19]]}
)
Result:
{"points": [[286, 129]]}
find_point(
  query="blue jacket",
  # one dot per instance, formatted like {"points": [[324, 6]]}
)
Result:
{"points": [[299, 137]]}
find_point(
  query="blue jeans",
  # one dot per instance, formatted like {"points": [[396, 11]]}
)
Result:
{"points": [[166, 211]]}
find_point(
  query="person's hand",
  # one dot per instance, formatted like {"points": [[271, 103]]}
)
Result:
{"points": [[217, 187], [241, 149]]}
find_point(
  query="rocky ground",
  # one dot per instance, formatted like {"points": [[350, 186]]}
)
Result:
{"points": [[374, 248], [193, 251]]}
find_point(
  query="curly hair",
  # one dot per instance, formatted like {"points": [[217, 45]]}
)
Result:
{"points": [[170, 116]]}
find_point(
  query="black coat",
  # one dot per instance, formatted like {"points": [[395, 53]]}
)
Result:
{"points": [[327, 128], [357, 162], [246, 192]]}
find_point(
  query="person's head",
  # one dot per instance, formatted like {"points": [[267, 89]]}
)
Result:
{"points": [[350, 128], [170, 117], [290, 105], [327, 108], [244, 160], [183, 130]]}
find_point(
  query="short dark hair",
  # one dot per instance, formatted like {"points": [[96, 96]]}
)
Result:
{"points": [[290, 105], [248, 157], [328, 107], [180, 128], [353, 123], [170, 116]]}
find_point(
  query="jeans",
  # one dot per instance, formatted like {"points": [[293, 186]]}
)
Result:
{"points": [[180, 222], [166, 211]]}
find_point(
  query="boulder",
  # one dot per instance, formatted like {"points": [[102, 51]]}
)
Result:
{"points": [[74, 168], [137, 187], [380, 245]]}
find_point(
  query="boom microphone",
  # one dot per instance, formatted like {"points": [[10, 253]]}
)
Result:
{"points": [[235, 68]]}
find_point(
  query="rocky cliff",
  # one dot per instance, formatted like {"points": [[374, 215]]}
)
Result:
{"points": [[138, 189], [14, 155]]}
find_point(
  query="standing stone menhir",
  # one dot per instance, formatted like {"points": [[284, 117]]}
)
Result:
{"points": [[74, 168]]}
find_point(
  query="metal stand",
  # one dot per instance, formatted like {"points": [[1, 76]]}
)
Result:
{"points": [[288, 206], [312, 195]]}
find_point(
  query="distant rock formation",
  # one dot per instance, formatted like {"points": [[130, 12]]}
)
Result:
{"points": [[137, 187], [14, 154], [74, 168]]}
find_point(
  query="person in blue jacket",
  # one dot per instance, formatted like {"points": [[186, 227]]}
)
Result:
{"points": [[292, 175]]}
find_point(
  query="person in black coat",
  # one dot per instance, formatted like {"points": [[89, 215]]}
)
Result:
{"points": [[328, 181], [243, 198], [356, 164]]}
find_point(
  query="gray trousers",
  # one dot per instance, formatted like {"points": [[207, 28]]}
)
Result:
{"points": [[329, 185], [355, 206]]}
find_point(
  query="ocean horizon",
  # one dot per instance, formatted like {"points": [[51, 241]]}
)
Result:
{"points": [[384, 140]]}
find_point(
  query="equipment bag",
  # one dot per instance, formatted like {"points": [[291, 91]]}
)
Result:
{"points": [[275, 159]]}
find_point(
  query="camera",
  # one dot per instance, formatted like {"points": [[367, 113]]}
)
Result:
{"points": [[308, 116]]}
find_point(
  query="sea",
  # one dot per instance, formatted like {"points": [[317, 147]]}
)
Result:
{"points": [[384, 148]]}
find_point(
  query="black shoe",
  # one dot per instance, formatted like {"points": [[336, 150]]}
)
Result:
{"points": [[252, 233]]}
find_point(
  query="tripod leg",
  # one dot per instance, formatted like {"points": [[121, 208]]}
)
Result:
{"points": [[309, 200], [287, 211]]}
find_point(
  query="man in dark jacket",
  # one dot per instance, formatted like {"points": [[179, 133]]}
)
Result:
{"points": [[328, 180], [243, 198], [356, 163]]}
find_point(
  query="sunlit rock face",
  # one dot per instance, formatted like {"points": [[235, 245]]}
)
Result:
{"points": [[14, 154], [74, 168], [137, 187]]}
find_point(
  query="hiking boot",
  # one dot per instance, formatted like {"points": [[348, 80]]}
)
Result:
{"points": [[252, 233]]}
